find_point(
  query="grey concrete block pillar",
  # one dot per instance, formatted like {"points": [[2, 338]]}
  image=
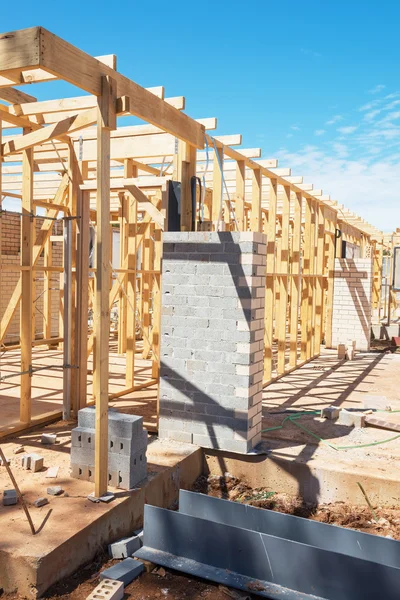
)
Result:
{"points": [[212, 338]]}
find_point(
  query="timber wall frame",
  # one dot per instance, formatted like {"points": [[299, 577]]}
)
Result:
{"points": [[69, 158]]}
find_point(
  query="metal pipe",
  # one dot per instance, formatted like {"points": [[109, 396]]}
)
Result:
{"points": [[67, 317]]}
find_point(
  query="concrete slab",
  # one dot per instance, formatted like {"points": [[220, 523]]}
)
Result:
{"points": [[71, 529], [328, 470]]}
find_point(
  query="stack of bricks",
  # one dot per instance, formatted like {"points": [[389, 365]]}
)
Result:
{"points": [[127, 445], [212, 339], [352, 302]]}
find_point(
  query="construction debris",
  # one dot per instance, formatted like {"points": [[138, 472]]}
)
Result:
{"points": [[52, 472], [330, 412], [40, 502], [351, 419], [19, 449], [55, 490], [3, 463], [125, 571], [108, 589], [125, 547], [10, 497], [48, 438]]}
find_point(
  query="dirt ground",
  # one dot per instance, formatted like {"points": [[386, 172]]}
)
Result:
{"points": [[387, 521], [162, 583]]}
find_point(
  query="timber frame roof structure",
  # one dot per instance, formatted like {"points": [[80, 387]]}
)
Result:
{"points": [[35, 55]]}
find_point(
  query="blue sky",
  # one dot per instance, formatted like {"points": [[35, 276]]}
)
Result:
{"points": [[312, 84]]}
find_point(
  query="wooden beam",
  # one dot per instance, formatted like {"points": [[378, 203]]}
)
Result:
{"points": [[37, 47], [269, 291], [26, 286], [255, 219], [106, 122]]}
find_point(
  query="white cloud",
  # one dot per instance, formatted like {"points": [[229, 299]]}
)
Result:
{"points": [[368, 188], [347, 130], [334, 120], [370, 116], [295, 128], [319, 131], [378, 88], [289, 135]]}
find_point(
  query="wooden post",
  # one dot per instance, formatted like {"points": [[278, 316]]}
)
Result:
{"points": [[131, 289], [283, 281], [319, 278], [295, 279], [123, 251], [306, 286], [330, 267], [26, 284], [47, 283], [255, 220], [269, 291], [240, 193], [217, 187], [106, 122], [82, 295]]}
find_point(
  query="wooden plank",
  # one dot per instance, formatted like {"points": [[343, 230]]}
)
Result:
{"points": [[26, 286], [144, 203], [156, 317], [69, 125], [269, 289], [48, 261], [15, 96], [106, 121]]}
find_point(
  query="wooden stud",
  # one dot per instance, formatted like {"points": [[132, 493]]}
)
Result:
{"points": [[270, 279], [255, 222], [106, 122], [26, 286]]}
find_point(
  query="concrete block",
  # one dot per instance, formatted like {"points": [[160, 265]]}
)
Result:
{"points": [[83, 437], [139, 534], [330, 412], [125, 547], [2, 463], [55, 490], [125, 571], [10, 497], [82, 456], [48, 438], [108, 589], [351, 419], [40, 502], [26, 461]]}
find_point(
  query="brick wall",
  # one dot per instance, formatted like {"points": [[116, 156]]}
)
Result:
{"points": [[10, 250], [352, 298], [212, 330]]}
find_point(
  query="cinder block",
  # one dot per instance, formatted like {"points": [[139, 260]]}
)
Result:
{"points": [[108, 589], [82, 456], [351, 419], [37, 463], [48, 438], [125, 571], [125, 547], [10, 497], [330, 412]]}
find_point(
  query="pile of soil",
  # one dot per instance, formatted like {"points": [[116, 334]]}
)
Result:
{"points": [[338, 513]]}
